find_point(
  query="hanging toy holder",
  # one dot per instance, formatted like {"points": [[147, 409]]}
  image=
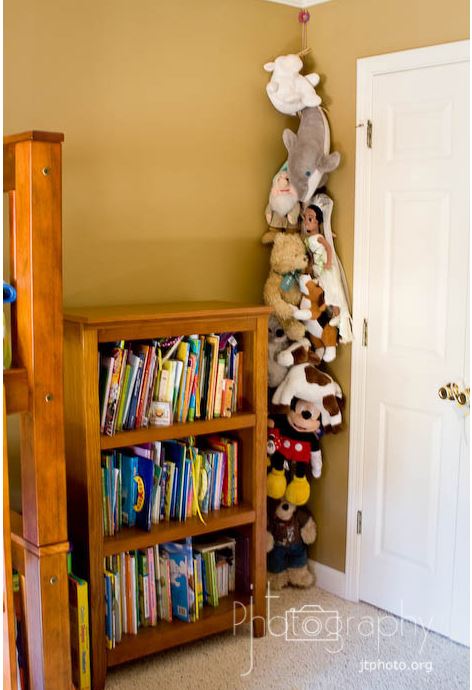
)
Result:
{"points": [[304, 18]]}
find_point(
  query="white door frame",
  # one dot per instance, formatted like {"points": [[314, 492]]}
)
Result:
{"points": [[367, 69]]}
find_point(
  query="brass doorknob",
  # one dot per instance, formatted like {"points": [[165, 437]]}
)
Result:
{"points": [[452, 391], [443, 393], [448, 391]]}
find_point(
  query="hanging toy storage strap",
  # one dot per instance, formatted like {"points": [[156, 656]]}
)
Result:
{"points": [[304, 18]]}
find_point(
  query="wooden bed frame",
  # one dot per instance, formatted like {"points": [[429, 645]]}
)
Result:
{"points": [[35, 542]]}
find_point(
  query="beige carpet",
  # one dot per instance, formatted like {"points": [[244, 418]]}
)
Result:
{"points": [[399, 655]]}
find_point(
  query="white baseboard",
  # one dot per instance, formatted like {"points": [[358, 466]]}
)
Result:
{"points": [[329, 579]]}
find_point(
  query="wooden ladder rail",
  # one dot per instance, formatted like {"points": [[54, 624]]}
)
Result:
{"points": [[34, 388]]}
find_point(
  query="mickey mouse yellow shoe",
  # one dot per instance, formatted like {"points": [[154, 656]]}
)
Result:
{"points": [[298, 491], [276, 483]]}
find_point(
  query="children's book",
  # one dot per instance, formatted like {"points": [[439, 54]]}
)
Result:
{"points": [[131, 420], [219, 387], [107, 364], [79, 632], [112, 402], [152, 587], [177, 554], [213, 341], [143, 589], [145, 481], [122, 398], [129, 488], [135, 363], [165, 596]]}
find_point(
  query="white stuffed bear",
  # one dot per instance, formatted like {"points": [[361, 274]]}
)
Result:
{"points": [[288, 90]]}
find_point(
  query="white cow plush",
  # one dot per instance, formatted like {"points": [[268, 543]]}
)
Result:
{"points": [[288, 90], [306, 382]]}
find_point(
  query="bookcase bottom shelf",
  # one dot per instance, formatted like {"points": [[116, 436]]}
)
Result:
{"points": [[167, 635]]}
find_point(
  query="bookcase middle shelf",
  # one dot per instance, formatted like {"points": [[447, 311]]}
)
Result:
{"points": [[239, 420], [130, 538]]}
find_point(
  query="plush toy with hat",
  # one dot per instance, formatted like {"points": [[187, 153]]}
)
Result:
{"points": [[283, 209], [290, 530]]}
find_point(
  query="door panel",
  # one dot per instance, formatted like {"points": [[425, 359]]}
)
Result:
{"points": [[417, 314]]}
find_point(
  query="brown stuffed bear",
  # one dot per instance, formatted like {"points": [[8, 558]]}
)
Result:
{"points": [[281, 291], [290, 529]]}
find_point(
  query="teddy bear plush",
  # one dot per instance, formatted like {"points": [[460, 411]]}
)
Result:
{"points": [[278, 342], [295, 443], [288, 259], [290, 530]]}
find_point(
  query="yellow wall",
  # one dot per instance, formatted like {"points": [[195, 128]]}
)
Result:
{"points": [[170, 140], [340, 32]]}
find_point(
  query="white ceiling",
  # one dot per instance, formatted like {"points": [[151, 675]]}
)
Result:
{"points": [[301, 4]]}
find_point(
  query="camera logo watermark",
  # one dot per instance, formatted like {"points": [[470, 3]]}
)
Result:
{"points": [[312, 623]]}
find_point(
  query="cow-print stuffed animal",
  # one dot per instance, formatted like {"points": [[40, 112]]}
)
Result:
{"points": [[306, 382], [293, 440]]}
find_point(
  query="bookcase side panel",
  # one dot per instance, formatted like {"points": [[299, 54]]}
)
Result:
{"points": [[84, 479], [259, 473]]}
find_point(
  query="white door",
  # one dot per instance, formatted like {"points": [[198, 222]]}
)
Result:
{"points": [[413, 559]]}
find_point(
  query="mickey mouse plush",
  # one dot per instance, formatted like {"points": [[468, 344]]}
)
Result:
{"points": [[293, 438]]}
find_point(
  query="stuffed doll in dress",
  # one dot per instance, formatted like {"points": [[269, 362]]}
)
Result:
{"points": [[327, 272]]}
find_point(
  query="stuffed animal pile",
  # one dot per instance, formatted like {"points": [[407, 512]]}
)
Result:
{"points": [[307, 291]]}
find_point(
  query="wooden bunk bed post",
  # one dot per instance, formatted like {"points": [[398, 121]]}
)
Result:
{"points": [[32, 175]]}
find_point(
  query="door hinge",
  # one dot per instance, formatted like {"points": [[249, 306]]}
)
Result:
{"points": [[369, 134], [365, 333], [359, 522]]}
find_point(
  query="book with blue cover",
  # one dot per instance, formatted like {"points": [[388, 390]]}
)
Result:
{"points": [[131, 420], [178, 556], [143, 504], [129, 489]]}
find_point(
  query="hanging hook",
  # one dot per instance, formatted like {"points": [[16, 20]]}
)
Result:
{"points": [[304, 18]]}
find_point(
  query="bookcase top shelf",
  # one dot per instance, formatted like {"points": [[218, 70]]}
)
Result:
{"points": [[100, 316]]}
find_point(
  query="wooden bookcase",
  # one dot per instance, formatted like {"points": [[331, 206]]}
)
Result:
{"points": [[84, 330]]}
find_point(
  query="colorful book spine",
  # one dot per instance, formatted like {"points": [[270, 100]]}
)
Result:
{"points": [[117, 356], [79, 632]]}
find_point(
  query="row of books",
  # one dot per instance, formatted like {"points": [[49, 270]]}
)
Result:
{"points": [[167, 582], [158, 382], [167, 480]]}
